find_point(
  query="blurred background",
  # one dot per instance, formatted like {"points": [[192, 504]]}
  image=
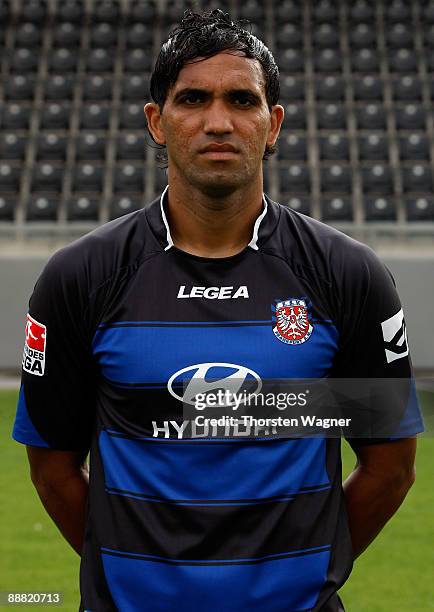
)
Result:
{"points": [[356, 151]]}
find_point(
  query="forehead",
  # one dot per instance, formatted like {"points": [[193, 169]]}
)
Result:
{"points": [[225, 70]]}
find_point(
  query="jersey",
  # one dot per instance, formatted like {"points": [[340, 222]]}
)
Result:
{"points": [[120, 322]]}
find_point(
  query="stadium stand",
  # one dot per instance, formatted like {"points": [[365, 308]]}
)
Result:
{"points": [[357, 83]]}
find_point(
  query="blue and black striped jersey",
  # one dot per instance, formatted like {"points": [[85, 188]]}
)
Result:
{"points": [[121, 322]]}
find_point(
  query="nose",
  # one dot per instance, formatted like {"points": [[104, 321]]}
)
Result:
{"points": [[218, 119]]}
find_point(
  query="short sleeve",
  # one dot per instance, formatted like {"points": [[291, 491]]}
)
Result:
{"points": [[56, 403], [374, 350]]}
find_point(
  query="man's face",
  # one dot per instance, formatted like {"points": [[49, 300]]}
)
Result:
{"points": [[216, 123]]}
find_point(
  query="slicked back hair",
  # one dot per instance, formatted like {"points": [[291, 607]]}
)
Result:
{"points": [[205, 35]]}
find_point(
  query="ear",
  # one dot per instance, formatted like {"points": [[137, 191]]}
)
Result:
{"points": [[276, 119], [153, 117]]}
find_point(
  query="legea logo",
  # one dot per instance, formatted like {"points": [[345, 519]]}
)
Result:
{"points": [[204, 378]]}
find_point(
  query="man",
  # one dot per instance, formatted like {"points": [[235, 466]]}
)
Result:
{"points": [[131, 316]]}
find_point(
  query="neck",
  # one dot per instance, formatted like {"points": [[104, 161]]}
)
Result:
{"points": [[210, 226]]}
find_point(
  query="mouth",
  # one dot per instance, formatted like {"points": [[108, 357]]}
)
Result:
{"points": [[219, 155]]}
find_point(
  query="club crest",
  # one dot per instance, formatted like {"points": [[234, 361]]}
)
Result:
{"points": [[292, 325]]}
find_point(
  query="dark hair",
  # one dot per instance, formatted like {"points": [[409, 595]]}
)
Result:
{"points": [[205, 35]]}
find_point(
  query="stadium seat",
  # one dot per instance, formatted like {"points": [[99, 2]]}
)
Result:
{"points": [[55, 116], [429, 35], [377, 179], [289, 34], [63, 60], [292, 146], [66, 35], [362, 35], [137, 60], [90, 145], [374, 146], [34, 11], [326, 35], [334, 147], [336, 208], [132, 117], [42, 207], [331, 116], [142, 11], [252, 10], [408, 87], [100, 60], [295, 178], [106, 11], [398, 11], [131, 146], [399, 35], [103, 36], [417, 177], [5, 11], [7, 207], [135, 87], [365, 60], [139, 35], [82, 208], [428, 12], [368, 87], [288, 11], [70, 11], [295, 116], [16, 116], [380, 209], [402, 60], [371, 117], [94, 116], [419, 208], [12, 146], [299, 203], [122, 205], [28, 35], [59, 87], [291, 88], [325, 11], [88, 177], [10, 176], [24, 60], [330, 88], [336, 178], [97, 87], [414, 146], [328, 60], [362, 11], [129, 177], [47, 177], [410, 117], [20, 87], [51, 146], [291, 60]]}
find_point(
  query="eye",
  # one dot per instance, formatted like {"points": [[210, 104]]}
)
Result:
{"points": [[243, 101], [192, 98]]}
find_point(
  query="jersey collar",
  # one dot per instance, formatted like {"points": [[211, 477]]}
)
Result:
{"points": [[264, 224]]}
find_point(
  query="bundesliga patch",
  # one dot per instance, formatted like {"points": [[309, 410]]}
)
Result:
{"points": [[292, 321], [34, 347]]}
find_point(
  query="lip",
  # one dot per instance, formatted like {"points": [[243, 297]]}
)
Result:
{"points": [[215, 147]]}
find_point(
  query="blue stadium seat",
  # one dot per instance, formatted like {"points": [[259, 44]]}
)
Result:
{"points": [[331, 116], [380, 209], [129, 177], [88, 177], [330, 88], [97, 87], [42, 207], [131, 145], [291, 87], [417, 177], [371, 117], [408, 87], [410, 117], [420, 208], [82, 207], [135, 87], [295, 116], [337, 208], [291, 60], [137, 60], [132, 117], [122, 205], [94, 116]]}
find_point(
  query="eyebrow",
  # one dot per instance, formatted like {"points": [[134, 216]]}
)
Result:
{"points": [[230, 92]]}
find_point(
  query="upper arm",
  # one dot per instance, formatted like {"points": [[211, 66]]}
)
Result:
{"points": [[54, 467]]}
